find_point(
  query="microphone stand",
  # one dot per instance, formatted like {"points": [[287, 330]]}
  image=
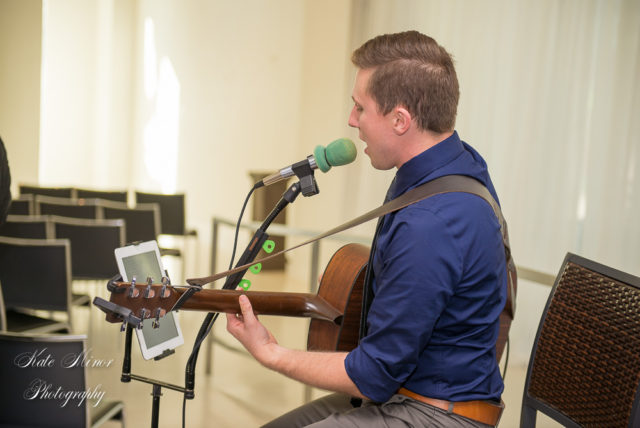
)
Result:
{"points": [[308, 186]]}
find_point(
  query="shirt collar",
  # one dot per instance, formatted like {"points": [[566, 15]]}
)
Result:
{"points": [[418, 168]]}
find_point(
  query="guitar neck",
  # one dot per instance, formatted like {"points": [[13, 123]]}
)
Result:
{"points": [[263, 302]]}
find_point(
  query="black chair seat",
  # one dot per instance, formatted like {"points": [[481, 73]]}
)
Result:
{"points": [[19, 322]]}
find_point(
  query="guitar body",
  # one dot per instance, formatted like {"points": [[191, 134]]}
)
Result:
{"points": [[341, 286]]}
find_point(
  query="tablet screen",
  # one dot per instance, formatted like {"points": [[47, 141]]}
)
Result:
{"points": [[140, 262], [141, 266]]}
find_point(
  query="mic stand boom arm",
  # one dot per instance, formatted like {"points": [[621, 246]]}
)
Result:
{"points": [[249, 254]]}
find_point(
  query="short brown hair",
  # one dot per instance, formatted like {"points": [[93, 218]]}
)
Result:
{"points": [[413, 71]]}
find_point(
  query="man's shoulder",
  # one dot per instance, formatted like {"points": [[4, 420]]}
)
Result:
{"points": [[462, 216]]}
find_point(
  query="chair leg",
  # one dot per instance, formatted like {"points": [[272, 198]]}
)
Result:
{"points": [[527, 417]]}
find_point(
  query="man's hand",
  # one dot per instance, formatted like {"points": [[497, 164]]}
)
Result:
{"points": [[251, 333], [320, 369]]}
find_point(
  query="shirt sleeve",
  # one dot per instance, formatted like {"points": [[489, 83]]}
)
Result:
{"points": [[418, 268]]}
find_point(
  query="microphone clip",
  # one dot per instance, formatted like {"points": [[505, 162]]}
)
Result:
{"points": [[304, 172]]}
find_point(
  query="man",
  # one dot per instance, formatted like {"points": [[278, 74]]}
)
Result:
{"points": [[438, 267]]}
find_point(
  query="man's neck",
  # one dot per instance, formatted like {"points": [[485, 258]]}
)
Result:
{"points": [[419, 141]]}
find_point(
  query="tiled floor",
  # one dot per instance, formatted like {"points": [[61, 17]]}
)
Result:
{"points": [[238, 392]]}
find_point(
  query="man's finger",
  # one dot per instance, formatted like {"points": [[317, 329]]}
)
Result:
{"points": [[245, 307]]}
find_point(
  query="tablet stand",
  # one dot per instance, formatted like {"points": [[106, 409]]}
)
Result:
{"points": [[157, 385]]}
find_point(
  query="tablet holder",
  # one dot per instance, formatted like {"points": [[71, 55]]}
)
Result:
{"points": [[129, 322]]}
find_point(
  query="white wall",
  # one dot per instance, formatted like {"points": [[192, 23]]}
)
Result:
{"points": [[260, 84], [86, 95], [20, 52]]}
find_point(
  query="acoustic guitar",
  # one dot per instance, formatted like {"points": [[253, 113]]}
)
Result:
{"points": [[334, 311]]}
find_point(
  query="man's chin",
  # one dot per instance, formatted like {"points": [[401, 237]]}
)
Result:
{"points": [[380, 166]]}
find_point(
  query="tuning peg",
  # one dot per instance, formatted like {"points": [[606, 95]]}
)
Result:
{"points": [[144, 313], [148, 292], [133, 291], [156, 321], [164, 292], [123, 327]]}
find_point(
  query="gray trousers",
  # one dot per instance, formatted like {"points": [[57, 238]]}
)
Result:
{"points": [[335, 410]]}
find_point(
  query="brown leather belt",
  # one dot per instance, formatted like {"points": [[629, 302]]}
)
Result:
{"points": [[481, 411]]}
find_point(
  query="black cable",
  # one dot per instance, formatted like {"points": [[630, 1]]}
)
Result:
{"points": [[196, 345], [235, 240], [233, 254]]}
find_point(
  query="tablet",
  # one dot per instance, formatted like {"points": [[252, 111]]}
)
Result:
{"points": [[140, 261]]}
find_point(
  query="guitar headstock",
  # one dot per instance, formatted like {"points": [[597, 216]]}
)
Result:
{"points": [[139, 301]]}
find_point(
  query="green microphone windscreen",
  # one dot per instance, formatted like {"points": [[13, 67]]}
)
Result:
{"points": [[339, 152]]}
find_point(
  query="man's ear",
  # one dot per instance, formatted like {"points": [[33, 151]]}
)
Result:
{"points": [[401, 120]]}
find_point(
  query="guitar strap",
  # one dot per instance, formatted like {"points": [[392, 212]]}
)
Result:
{"points": [[445, 184]]}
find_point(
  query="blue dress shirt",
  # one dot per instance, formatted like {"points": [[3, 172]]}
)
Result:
{"points": [[439, 287]]}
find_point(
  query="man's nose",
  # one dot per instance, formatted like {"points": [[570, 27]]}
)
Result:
{"points": [[353, 122]]}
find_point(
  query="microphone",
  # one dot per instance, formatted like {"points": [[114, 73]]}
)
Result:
{"points": [[339, 152]]}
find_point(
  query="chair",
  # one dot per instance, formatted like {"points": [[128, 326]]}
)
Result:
{"points": [[84, 208], [36, 274], [19, 322], [119, 196], [25, 376], [92, 245], [22, 205], [585, 363], [142, 223], [58, 192], [25, 226], [172, 209]]}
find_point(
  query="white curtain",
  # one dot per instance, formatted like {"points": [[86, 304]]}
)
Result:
{"points": [[550, 97]]}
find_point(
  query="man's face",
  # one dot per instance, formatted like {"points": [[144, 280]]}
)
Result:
{"points": [[376, 130]]}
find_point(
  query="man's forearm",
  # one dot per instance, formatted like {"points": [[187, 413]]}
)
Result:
{"points": [[320, 369], [323, 370]]}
